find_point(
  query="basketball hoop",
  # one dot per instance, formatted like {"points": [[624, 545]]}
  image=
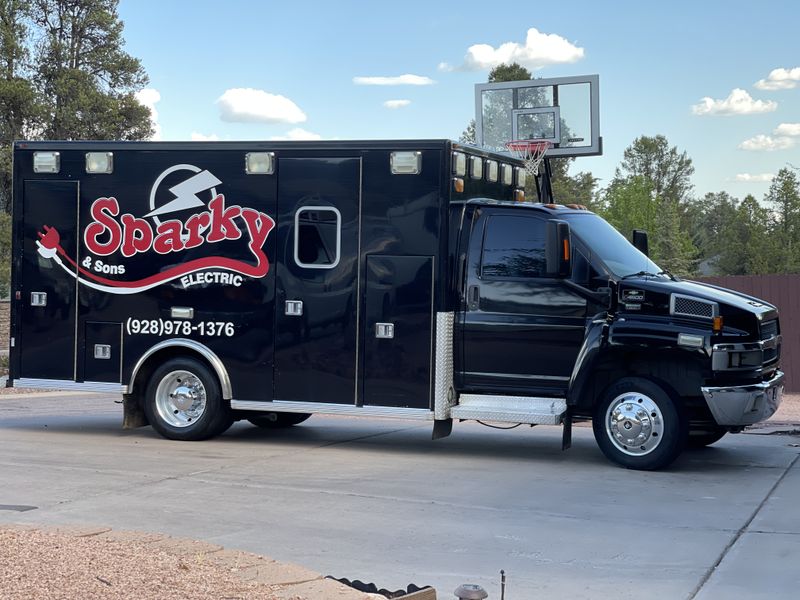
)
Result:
{"points": [[531, 152]]}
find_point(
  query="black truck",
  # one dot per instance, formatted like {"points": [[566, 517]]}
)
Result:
{"points": [[210, 282]]}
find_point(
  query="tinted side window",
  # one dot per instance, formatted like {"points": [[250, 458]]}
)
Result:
{"points": [[317, 237], [514, 246]]}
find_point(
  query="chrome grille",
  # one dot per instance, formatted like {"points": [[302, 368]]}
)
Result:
{"points": [[769, 329], [692, 307]]}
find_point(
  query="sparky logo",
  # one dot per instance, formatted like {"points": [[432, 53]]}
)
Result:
{"points": [[112, 234]]}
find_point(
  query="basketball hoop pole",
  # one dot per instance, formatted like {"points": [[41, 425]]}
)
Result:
{"points": [[544, 185]]}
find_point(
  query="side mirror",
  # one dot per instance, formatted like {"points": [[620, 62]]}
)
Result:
{"points": [[640, 241], [559, 249]]}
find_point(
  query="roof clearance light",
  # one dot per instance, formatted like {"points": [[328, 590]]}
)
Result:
{"points": [[476, 167], [491, 170], [521, 176], [46, 162], [406, 163], [507, 173], [259, 163], [99, 162], [459, 164]]}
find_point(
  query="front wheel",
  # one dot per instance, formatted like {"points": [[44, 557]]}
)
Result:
{"points": [[638, 425], [184, 401]]}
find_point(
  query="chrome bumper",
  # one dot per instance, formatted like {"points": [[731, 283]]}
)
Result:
{"points": [[746, 404]]}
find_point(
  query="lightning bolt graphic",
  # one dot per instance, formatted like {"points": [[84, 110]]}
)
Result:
{"points": [[186, 193]]}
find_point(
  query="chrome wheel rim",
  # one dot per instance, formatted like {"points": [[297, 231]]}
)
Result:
{"points": [[634, 424], [180, 398]]}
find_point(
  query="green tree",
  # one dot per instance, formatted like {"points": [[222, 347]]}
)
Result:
{"points": [[784, 196], [468, 135], [19, 110], [630, 204], [707, 218], [746, 246], [668, 170], [512, 72], [87, 80], [580, 188]]}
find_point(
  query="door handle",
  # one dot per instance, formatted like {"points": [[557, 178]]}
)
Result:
{"points": [[473, 297]]}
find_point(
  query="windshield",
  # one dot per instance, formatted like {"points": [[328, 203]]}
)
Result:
{"points": [[610, 246]]}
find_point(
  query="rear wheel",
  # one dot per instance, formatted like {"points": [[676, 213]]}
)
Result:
{"points": [[278, 420], [183, 401], [638, 425]]}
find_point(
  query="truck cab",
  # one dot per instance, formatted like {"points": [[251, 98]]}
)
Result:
{"points": [[557, 306]]}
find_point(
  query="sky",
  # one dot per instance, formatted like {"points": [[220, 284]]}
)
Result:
{"points": [[721, 80]]}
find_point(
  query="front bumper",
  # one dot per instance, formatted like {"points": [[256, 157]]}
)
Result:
{"points": [[746, 404]]}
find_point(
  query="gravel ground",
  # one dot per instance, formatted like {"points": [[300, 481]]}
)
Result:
{"points": [[48, 564]]}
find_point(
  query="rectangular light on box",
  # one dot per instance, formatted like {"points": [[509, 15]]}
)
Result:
{"points": [[259, 163], [99, 162], [406, 163], [46, 162]]}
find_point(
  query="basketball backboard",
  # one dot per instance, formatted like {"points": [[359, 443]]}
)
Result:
{"points": [[562, 110]]}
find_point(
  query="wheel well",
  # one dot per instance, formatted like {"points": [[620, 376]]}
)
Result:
{"points": [[158, 358], [679, 376]]}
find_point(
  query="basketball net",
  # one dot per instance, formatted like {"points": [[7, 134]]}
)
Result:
{"points": [[531, 152]]}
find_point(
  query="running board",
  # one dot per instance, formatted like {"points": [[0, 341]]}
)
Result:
{"points": [[510, 409]]}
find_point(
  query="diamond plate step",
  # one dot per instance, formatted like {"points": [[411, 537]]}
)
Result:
{"points": [[510, 409]]}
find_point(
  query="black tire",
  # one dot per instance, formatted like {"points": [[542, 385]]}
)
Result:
{"points": [[184, 401], [705, 437], [639, 426], [278, 420]]}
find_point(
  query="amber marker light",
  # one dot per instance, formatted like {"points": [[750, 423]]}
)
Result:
{"points": [[566, 249], [519, 196], [458, 184], [717, 327]]}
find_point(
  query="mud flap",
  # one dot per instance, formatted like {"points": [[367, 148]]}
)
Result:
{"points": [[566, 433], [442, 428], [132, 413]]}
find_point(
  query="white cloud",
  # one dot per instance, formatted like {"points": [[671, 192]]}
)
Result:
{"points": [[767, 143], [445, 66], [747, 177], [407, 79], [780, 79], [248, 105], [201, 137], [791, 129], [296, 134], [149, 97], [394, 104], [739, 102], [539, 50]]}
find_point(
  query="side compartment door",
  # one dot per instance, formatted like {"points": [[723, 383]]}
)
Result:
{"points": [[48, 304], [317, 279], [522, 330]]}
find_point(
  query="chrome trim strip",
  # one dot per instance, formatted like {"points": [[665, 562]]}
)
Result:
{"points": [[432, 349], [216, 363], [443, 391], [333, 409], [519, 376], [63, 384]]}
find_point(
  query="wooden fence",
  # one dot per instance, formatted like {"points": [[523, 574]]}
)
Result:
{"points": [[784, 292]]}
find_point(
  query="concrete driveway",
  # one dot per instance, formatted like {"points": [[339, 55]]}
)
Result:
{"points": [[377, 500]]}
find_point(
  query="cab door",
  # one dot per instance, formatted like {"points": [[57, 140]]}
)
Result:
{"points": [[522, 330]]}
